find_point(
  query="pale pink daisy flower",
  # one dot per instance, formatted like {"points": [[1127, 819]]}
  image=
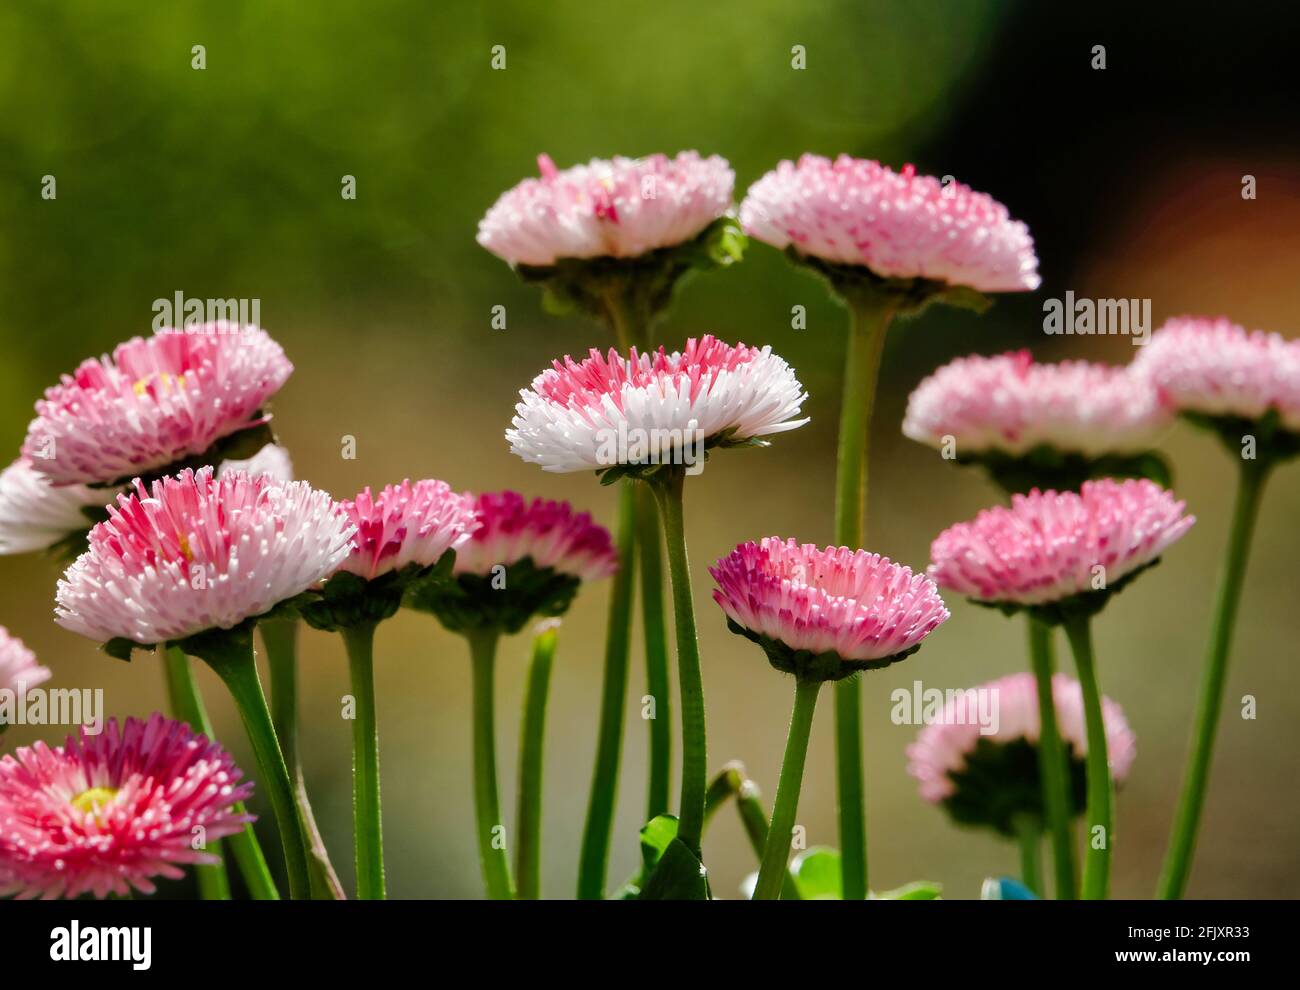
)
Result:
{"points": [[35, 514], [1011, 405], [18, 666], [859, 606], [1049, 546], [154, 403], [619, 209], [852, 211], [410, 523], [653, 408], [550, 534], [1215, 367], [273, 460], [108, 813], [943, 747], [195, 552]]}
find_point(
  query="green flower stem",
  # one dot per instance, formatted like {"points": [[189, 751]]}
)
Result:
{"points": [[367, 812], [650, 549], [1182, 841], [1096, 867], [235, 665], [1053, 768], [187, 705], [776, 851], [668, 493], [1029, 831], [732, 781], [487, 805], [869, 324], [280, 637], [618, 634], [528, 833]]}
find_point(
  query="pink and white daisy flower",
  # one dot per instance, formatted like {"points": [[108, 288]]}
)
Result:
{"points": [[943, 747], [859, 606], [653, 408], [195, 552], [550, 534], [35, 514], [155, 402], [18, 666], [852, 211], [107, 813], [273, 460], [619, 209], [1049, 546], [1217, 368], [1011, 405], [411, 523]]}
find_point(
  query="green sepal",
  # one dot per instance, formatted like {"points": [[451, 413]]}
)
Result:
{"points": [[121, 648], [906, 296], [1273, 441], [999, 784], [347, 600], [1048, 469], [1081, 605], [473, 601], [806, 665]]}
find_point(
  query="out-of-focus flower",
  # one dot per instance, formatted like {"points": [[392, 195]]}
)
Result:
{"points": [[107, 813], [194, 552], [899, 225], [1051, 546], [36, 514], [835, 610], [654, 408], [272, 460], [156, 402], [18, 666], [620, 208]]}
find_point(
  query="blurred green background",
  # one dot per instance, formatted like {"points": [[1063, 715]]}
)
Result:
{"points": [[225, 182]]}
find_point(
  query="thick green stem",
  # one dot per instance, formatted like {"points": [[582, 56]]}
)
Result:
{"points": [[528, 834], [732, 781], [868, 328], [690, 825], [280, 637], [492, 854], [1053, 766], [1182, 841], [618, 634], [1096, 865], [1029, 831], [776, 851], [234, 664], [367, 812], [650, 550]]}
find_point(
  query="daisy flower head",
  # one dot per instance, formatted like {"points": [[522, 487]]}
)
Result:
{"points": [[825, 613], [36, 514], [526, 559], [859, 214], [108, 813], [18, 668], [1059, 552], [155, 403], [987, 774], [643, 411], [195, 552], [1040, 425]]}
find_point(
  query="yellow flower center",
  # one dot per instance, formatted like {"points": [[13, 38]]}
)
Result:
{"points": [[168, 381], [91, 802]]}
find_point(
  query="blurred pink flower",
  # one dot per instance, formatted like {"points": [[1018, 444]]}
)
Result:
{"points": [[18, 665], [589, 415], [1045, 547], [1010, 404], [942, 747], [1215, 367], [620, 208], [194, 552], [551, 534], [35, 514], [410, 523], [106, 814], [852, 211], [157, 401], [858, 605]]}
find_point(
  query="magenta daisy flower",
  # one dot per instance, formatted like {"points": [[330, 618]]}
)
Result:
{"points": [[193, 552], [36, 514], [107, 813], [650, 409], [154, 403], [898, 225], [410, 523], [838, 609], [18, 667], [989, 775], [1048, 547], [619, 209]]}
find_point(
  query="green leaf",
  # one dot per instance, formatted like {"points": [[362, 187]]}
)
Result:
{"points": [[817, 874], [917, 890], [656, 836], [678, 876]]}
